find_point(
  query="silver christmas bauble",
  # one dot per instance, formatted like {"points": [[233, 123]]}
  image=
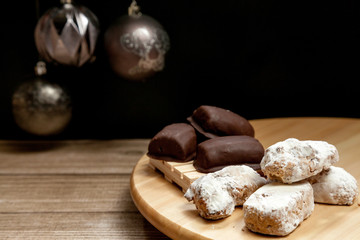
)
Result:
{"points": [[136, 46], [67, 35], [41, 108]]}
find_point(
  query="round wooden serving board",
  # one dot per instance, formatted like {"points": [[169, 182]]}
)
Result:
{"points": [[162, 203]]}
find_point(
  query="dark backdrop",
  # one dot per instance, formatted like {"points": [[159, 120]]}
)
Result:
{"points": [[258, 58]]}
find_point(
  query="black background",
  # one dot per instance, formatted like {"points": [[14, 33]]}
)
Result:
{"points": [[260, 59]]}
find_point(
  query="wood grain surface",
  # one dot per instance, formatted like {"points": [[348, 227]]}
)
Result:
{"points": [[163, 204], [70, 190]]}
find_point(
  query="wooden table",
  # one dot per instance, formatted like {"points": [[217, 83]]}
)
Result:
{"points": [[70, 190], [81, 189]]}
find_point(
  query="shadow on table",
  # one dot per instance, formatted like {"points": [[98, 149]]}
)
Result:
{"points": [[29, 146]]}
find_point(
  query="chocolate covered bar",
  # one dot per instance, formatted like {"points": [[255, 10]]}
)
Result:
{"points": [[175, 142], [213, 122], [217, 153]]}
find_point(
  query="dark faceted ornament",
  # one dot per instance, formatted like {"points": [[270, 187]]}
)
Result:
{"points": [[136, 45], [41, 108], [67, 35]]}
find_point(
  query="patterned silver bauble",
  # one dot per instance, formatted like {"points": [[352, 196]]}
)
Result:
{"points": [[136, 46], [67, 35], [41, 108]]}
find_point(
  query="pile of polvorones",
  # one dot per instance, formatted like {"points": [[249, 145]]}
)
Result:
{"points": [[277, 187], [213, 137]]}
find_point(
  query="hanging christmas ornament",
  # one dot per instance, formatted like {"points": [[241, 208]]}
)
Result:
{"points": [[67, 35], [40, 107], [136, 45]]}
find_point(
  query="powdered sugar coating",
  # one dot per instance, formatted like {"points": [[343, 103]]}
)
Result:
{"points": [[334, 186], [293, 160], [277, 208], [215, 195]]}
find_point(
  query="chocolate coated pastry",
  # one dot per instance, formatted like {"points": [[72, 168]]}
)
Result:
{"points": [[214, 122], [217, 153], [175, 142]]}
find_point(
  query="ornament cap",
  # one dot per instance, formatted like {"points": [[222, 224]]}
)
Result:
{"points": [[40, 68], [134, 9]]}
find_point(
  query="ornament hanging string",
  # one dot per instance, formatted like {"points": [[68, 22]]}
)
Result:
{"points": [[37, 9], [40, 67]]}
